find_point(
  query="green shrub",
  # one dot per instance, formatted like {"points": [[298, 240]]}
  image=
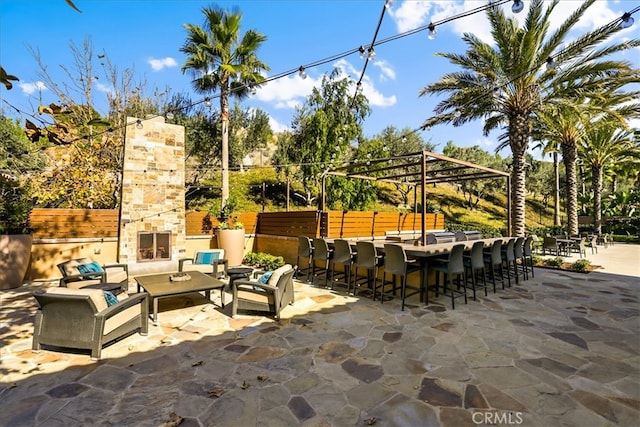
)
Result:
{"points": [[554, 262], [263, 260], [581, 265], [537, 260]]}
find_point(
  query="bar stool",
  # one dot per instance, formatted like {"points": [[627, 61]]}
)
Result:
{"points": [[342, 255], [493, 259], [397, 264], [305, 251], [518, 252], [474, 262], [366, 258], [451, 266], [527, 249], [322, 253], [508, 256]]}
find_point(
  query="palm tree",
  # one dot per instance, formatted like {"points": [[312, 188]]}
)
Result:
{"points": [[220, 59], [507, 84], [605, 143], [565, 121]]}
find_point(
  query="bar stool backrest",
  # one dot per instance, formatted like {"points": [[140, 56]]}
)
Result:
{"points": [[477, 259], [320, 249], [305, 247], [456, 261], [518, 250], [509, 252], [527, 247], [395, 259], [496, 256], [342, 253], [367, 255]]}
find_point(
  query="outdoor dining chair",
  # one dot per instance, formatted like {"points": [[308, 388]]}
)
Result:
{"points": [[450, 267], [209, 261], [367, 258], [474, 263], [305, 252], [527, 249], [507, 253], [397, 265], [518, 252], [344, 256], [493, 259], [322, 254]]}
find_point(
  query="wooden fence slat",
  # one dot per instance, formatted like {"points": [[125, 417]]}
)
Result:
{"points": [[63, 223]]}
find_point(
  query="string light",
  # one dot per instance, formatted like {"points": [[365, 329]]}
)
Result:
{"points": [[517, 7], [627, 20], [302, 72], [139, 124], [432, 31]]}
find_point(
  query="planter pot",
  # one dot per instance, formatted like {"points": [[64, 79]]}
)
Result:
{"points": [[15, 254], [232, 241]]}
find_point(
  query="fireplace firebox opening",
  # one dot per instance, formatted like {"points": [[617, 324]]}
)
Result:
{"points": [[154, 246]]}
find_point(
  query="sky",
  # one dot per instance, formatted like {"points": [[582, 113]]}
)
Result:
{"points": [[146, 36]]}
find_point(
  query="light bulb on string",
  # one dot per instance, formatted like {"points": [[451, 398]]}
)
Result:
{"points": [[627, 20], [302, 73], [432, 31], [517, 7]]}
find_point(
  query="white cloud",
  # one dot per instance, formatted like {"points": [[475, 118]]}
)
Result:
{"points": [[413, 14], [30, 88], [287, 92], [159, 64], [375, 97], [276, 126], [104, 88], [386, 70]]}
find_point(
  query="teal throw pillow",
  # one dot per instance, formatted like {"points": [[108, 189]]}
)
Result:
{"points": [[110, 298], [92, 267], [265, 277], [207, 257]]}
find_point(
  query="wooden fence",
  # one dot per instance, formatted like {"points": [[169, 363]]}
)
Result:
{"points": [[97, 223]]}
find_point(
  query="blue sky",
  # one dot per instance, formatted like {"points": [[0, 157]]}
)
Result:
{"points": [[147, 35]]}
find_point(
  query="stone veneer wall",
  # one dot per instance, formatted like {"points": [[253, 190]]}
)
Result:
{"points": [[152, 190]]}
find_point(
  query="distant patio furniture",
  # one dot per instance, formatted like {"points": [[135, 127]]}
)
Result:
{"points": [[82, 319], [550, 244], [270, 297], [82, 272], [206, 261]]}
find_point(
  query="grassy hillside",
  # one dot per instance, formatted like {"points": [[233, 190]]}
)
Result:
{"points": [[247, 188]]}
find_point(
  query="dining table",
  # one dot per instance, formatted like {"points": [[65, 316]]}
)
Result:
{"points": [[424, 253]]}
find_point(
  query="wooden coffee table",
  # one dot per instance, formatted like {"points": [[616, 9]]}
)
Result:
{"points": [[159, 286]]}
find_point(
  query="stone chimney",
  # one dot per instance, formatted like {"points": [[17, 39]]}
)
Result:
{"points": [[152, 209]]}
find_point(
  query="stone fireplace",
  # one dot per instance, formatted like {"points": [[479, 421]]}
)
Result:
{"points": [[152, 210]]}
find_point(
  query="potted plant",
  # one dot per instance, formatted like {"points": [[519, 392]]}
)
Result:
{"points": [[230, 233], [15, 232]]}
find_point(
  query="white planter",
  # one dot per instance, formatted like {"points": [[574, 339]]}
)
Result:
{"points": [[15, 254], [232, 241]]}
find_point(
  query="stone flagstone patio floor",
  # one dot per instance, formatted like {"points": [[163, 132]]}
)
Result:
{"points": [[560, 349]]}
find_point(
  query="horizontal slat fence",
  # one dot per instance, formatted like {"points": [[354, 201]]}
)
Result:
{"points": [[83, 223], [65, 223], [375, 224], [292, 224], [201, 223]]}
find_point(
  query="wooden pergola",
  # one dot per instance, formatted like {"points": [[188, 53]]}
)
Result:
{"points": [[418, 169]]}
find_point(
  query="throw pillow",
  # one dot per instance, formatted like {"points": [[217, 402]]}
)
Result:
{"points": [[92, 267], [110, 298], [207, 257], [264, 278]]}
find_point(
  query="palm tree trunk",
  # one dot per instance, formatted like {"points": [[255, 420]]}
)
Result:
{"points": [[518, 140], [556, 190], [224, 115], [596, 172], [569, 157]]}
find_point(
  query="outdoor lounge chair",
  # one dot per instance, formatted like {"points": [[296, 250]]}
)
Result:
{"points": [[82, 319], [81, 272], [271, 296], [206, 261]]}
